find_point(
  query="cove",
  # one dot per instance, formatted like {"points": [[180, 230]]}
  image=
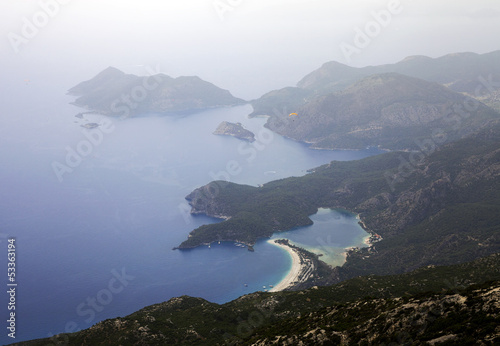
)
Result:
{"points": [[332, 232]]}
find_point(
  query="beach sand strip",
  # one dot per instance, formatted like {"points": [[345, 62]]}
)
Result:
{"points": [[295, 271]]}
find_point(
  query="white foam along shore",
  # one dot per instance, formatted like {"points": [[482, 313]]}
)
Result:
{"points": [[293, 274]]}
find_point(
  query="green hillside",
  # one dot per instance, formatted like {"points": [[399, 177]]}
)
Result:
{"points": [[442, 209], [456, 302]]}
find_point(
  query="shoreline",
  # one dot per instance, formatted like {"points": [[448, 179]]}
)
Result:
{"points": [[295, 271]]}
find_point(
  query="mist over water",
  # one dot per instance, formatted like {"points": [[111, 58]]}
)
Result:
{"points": [[95, 242]]}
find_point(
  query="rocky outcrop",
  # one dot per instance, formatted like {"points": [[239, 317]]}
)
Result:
{"points": [[234, 129]]}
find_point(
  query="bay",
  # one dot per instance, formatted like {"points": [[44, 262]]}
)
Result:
{"points": [[95, 242]]}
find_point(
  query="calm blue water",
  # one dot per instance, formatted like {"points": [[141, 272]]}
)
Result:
{"points": [[97, 244], [332, 232]]}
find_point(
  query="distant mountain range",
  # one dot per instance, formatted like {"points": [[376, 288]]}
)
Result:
{"points": [[345, 107], [114, 93], [389, 110], [460, 72]]}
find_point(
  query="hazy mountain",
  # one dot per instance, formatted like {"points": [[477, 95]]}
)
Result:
{"points": [[388, 110], [115, 93], [459, 71], [462, 72]]}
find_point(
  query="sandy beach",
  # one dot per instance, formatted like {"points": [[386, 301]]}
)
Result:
{"points": [[294, 273], [367, 240]]}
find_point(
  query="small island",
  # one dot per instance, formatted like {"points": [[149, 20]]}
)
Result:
{"points": [[90, 125], [236, 130]]}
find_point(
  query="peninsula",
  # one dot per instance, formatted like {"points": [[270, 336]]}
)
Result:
{"points": [[234, 129], [425, 203]]}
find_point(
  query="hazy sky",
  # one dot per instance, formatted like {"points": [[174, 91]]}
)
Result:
{"points": [[246, 46]]}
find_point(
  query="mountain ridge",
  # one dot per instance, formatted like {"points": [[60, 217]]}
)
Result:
{"points": [[461, 72], [427, 304], [388, 110], [114, 93]]}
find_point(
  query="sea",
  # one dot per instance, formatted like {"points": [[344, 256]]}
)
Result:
{"points": [[94, 213]]}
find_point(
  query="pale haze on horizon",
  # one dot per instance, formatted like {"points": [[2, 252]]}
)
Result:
{"points": [[247, 47]]}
